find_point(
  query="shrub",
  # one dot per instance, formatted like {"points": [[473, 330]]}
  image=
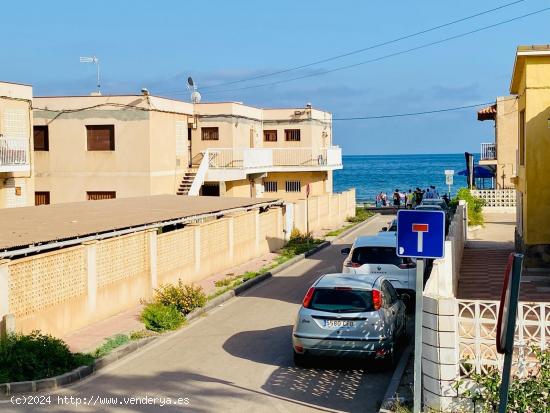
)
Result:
{"points": [[361, 214], [36, 356], [110, 344], [185, 298], [159, 317], [527, 394], [298, 244], [475, 205], [139, 334], [223, 282]]}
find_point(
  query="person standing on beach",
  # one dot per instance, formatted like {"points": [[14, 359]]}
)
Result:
{"points": [[410, 197], [396, 199]]}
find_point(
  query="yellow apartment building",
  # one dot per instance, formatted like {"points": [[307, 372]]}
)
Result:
{"points": [[97, 147], [531, 82], [16, 180], [501, 154]]}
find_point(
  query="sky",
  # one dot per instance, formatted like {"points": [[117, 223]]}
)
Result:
{"points": [[157, 44]]}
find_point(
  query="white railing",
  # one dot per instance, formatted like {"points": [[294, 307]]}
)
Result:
{"points": [[477, 321], [201, 174], [496, 197], [488, 151], [14, 152], [267, 157]]}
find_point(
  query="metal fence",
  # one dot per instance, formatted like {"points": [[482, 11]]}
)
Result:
{"points": [[477, 324]]}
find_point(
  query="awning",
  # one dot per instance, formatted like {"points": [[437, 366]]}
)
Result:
{"points": [[480, 171], [488, 113]]}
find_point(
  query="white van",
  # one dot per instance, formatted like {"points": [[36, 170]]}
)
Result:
{"points": [[377, 255]]}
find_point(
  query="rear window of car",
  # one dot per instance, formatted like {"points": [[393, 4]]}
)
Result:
{"points": [[341, 301], [375, 255]]}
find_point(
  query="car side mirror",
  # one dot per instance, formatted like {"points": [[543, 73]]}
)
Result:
{"points": [[345, 251], [384, 228]]}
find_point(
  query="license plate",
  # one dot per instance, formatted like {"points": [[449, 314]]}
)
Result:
{"points": [[338, 323]]}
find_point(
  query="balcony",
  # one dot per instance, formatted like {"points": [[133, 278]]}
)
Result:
{"points": [[488, 152], [236, 163], [14, 155]]}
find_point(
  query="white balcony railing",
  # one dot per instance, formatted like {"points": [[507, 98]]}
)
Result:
{"points": [[14, 154], [488, 151], [245, 158]]}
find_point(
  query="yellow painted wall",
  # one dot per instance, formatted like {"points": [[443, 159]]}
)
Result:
{"points": [[533, 178], [317, 181]]}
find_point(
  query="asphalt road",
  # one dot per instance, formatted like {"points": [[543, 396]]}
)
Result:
{"points": [[238, 358]]}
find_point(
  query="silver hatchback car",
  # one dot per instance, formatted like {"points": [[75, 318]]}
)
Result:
{"points": [[357, 315]]}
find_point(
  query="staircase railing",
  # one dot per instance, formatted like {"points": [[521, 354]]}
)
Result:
{"points": [[201, 174]]}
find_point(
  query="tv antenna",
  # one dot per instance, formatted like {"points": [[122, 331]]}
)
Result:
{"points": [[94, 60], [195, 95]]}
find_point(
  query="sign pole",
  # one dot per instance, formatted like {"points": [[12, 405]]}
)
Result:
{"points": [[418, 336]]}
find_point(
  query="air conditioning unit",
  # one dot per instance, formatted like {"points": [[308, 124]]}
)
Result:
{"points": [[298, 113], [192, 122]]}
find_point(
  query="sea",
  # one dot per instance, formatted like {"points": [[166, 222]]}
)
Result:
{"points": [[372, 174]]}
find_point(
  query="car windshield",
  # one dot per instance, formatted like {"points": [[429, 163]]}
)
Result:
{"points": [[375, 255], [341, 301]]}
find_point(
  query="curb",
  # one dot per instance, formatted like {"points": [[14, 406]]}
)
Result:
{"points": [[7, 389], [52, 383], [389, 397]]}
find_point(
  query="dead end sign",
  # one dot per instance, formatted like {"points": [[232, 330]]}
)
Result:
{"points": [[420, 234]]}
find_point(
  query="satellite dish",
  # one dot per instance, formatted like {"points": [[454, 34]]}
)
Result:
{"points": [[191, 83], [195, 97]]}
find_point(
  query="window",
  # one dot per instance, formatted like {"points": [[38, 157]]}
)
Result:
{"points": [[521, 145], [376, 255], [41, 198], [292, 134], [293, 186], [341, 301], [99, 195], [270, 186], [41, 138], [210, 134], [270, 135], [101, 137]]}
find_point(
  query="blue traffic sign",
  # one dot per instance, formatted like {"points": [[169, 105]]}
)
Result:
{"points": [[420, 234]]}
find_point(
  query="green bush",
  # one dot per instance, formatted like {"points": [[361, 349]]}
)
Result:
{"points": [[159, 317], [110, 344], [36, 356], [298, 244], [361, 214], [475, 205], [185, 298], [527, 394], [223, 282]]}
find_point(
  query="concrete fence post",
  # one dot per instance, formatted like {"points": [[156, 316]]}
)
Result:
{"points": [[231, 237], [4, 296], [153, 262], [197, 249], [4, 285], [91, 268], [257, 228]]}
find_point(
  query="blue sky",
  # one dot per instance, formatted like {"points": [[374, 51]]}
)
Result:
{"points": [[157, 44]]}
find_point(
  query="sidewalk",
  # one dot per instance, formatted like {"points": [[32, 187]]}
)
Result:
{"points": [[91, 337], [484, 261]]}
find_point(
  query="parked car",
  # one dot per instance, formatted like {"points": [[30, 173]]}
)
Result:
{"points": [[349, 316], [436, 201], [434, 207], [377, 255], [392, 226]]}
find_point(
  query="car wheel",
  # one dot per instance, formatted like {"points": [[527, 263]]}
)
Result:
{"points": [[301, 360]]}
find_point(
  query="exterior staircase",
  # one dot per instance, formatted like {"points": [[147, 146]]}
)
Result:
{"points": [[186, 182]]}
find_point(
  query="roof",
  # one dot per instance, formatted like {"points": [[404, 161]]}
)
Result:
{"points": [[488, 113], [521, 53], [356, 281], [374, 241], [26, 226]]}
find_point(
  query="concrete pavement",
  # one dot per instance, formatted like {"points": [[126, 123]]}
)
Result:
{"points": [[238, 358]]}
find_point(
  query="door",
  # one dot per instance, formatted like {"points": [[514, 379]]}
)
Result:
{"points": [[189, 148]]}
